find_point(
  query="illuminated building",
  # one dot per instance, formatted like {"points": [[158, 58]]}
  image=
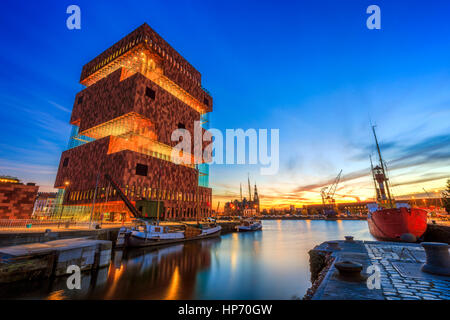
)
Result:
{"points": [[16, 198], [45, 205], [137, 93], [244, 207]]}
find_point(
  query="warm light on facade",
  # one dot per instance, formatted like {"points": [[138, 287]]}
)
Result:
{"points": [[9, 180], [147, 66]]}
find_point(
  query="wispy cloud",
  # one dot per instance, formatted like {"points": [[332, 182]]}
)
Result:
{"points": [[430, 151], [422, 180], [26, 167], [346, 177], [60, 107]]}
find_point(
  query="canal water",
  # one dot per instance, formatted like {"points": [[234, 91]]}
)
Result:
{"points": [[268, 264]]}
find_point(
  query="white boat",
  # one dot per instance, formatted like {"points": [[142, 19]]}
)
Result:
{"points": [[249, 225], [144, 234], [209, 229]]}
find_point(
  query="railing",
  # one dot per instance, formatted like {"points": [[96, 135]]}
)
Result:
{"points": [[207, 91], [41, 225]]}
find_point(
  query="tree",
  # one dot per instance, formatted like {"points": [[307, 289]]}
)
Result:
{"points": [[446, 197]]}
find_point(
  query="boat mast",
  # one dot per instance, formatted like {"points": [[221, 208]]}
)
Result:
{"points": [[383, 168], [377, 195]]}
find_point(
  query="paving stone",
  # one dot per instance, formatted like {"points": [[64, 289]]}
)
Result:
{"points": [[393, 298], [405, 291], [412, 298]]}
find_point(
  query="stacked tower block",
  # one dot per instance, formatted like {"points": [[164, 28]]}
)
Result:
{"points": [[137, 93]]}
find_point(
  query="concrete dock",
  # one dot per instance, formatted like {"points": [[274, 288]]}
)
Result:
{"points": [[19, 237], [48, 259], [400, 272], [108, 232]]}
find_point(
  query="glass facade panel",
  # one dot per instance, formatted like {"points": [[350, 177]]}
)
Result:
{"points": [[76, 140], [203, 168]]}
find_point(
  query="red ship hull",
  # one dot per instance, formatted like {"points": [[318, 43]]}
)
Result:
{"points": [[390, 224]]}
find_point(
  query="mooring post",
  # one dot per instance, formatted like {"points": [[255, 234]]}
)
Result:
{"points": [[438, 258]]}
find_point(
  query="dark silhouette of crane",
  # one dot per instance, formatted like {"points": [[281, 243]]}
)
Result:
{"points": [[328, 193], [124, 198]]}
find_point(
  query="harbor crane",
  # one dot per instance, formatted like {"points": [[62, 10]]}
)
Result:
{"points": [[328, 193]]}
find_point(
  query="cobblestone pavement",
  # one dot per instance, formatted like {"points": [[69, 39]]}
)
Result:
{"points": [[401, 278]]}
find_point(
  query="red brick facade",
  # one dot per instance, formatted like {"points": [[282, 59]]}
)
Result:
{"points": [[158, 93], [173, 65], [112, 97], [17, 200]]}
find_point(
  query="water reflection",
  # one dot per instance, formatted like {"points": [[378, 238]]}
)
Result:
{"points": [[268, 264], [166, 273]]}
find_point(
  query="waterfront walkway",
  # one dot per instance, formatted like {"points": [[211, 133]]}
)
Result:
{"points": [[400, 271]]}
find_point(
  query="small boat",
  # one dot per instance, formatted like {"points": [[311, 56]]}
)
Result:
{"points": [[389, 220], [145, 233], [249, 225], [208, 229]]}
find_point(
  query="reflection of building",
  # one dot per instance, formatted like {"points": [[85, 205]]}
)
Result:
{"points": [[45, 205], [244, 207], [137, 93], [165, 273], [16, 198]]}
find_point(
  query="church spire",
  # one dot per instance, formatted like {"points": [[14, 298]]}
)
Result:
{"points": [[240, 185], [249, 189]]}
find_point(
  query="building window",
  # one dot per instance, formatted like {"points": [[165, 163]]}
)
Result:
{"points": [[206, 102], [149, 92], [80, 100], [66, 162], [141, 169], [181, 126]]}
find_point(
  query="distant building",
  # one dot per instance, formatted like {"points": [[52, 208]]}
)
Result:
{"points": [[45, 205], [16, 199], [360, 207], [244, 207], [351, 207]]}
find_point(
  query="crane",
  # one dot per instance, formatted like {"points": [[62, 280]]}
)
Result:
{"points": [[130, 206], [328, 193]]}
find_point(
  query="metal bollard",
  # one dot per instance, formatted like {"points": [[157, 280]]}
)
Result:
{"points": [[438, 258], [333, 245], [349, 239], [350, 270]]}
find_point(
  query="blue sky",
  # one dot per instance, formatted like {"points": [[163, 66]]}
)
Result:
{"points": [[309, 68]]}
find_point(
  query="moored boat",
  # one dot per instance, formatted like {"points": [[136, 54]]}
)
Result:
{"points": [[391, 224], [387, 219], [144, 234], [249, 225]]}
